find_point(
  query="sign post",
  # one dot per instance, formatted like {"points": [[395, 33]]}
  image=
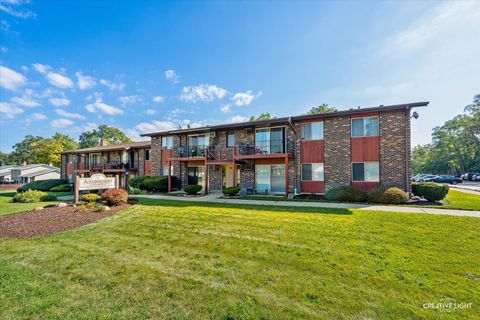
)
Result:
{"points": [[96, 182]]}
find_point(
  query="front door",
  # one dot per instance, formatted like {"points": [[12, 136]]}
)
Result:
{"points": [[227, 176]]}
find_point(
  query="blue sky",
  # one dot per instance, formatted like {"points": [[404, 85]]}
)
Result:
{"points": [[146, 66]]}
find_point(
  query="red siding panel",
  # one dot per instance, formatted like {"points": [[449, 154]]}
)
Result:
{"points": [[313, 186], [270, 161], [165, 156], [69, 169], [365, 185], [366, 149], [311, 151], [147, 168]]}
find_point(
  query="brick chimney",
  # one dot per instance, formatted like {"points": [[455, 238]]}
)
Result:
{"points": [[103, 142]]}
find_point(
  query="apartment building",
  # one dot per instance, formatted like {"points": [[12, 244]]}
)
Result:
{"points": [[122, 160], [364, 147]]}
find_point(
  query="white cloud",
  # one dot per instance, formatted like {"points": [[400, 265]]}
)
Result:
{"points": [[38, 116], [437, 25], [25, 101], [85, 82], [158, 99], [24, 68], [130, 99], [147, 127], [10, 79], [105, 108], [203, 92], [9, 110], [172, 76], [61, 123], [8, 6], [59, 80], [58, 102], [150, 112], [226, 108], [244, 98], [41, 68], [67, 114], [112, 86], [236, 119]]}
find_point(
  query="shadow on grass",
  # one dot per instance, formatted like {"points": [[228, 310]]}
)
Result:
{"points": [[181, 203], [8, 194]]}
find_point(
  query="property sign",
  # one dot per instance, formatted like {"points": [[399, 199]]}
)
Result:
{"points": [[97, 181]]}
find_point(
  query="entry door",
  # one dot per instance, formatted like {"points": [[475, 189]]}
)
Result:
{"points": [[278, 178], [262, 178], [228, 176]]}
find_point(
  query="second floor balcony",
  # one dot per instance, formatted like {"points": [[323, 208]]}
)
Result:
{"points": [[266, 147]]}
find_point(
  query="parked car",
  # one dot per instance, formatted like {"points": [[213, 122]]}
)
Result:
{"points": [[426, 178], [417, 177], [447, 179], [476, 176]]}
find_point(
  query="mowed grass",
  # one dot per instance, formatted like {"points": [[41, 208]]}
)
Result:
{"points": [[462, 200], [6, 207], [166, 259]]}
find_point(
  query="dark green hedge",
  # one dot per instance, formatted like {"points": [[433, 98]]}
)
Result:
{"points": [[231, 191], [346, 193], [61, 188], [430, 190], [387, 195], [158, 184], [42, 185], [137, 182], [192, 188]]}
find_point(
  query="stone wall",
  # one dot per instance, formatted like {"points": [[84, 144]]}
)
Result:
{"points": [[156, 156], [337, 152], [393, 148]]}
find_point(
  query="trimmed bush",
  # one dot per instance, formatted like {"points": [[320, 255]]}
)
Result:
{"points": [[90, 197], [158, 183], [49, 197], [387, 195], [430, 190], [61, 188], [346, 193], [231, 191], [132, 190], [100, 208], [29, 196], [137, 182], [192, 189], [115, 197], [42, 185]]}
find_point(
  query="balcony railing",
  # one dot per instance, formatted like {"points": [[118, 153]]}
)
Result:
{"points": [[190, 151], [265, 147], [111, 166], [220, 154]]}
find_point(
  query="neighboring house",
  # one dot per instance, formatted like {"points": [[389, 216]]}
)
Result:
{"points": [[363, 148], [123, 160], [34, 172], [6, 173]]}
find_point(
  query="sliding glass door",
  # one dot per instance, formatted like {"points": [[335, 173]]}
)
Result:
{"points": [[270, 178], [196, 175], [270, 140]]}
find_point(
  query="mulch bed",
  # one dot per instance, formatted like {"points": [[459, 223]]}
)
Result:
{"points": [[50, 220]]}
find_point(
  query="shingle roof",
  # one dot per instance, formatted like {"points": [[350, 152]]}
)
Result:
{"points": [[112, 147]]}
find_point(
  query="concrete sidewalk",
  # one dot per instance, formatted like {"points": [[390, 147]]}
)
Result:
{"points": [[215, 198]]}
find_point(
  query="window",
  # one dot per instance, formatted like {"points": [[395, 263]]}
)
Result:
{"points": [[165, 170], [270, 140], [94, 158], [366, 172], [147, 155], [312, 131], [167, 142], [312, 172], [230, 139], [365, 127]]}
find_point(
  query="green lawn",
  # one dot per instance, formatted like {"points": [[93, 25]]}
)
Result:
{"points": [[8, 208], [167, 259]]}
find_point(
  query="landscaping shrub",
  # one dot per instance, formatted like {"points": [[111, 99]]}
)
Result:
{"points": [[61, 188], [100, 208], [42, 185], [29, 196], [137, 182], [49, 197], [90, 197], [231, 191], [115, 197], [430, 190], [387, 195], [346, 193], [132, 190], [192, 189]]}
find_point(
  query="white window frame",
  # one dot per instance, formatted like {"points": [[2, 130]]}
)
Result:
{"points": [[364, 171], [167, 147], [310, 122], [364, 127], [312, 163]]}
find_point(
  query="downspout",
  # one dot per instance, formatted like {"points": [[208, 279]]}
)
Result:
{"points": [[407, 158]]}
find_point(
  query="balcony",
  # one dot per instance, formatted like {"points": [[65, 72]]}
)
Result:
{"points": [[106, 167], [267, 147], [220, 154], [197, 151]]}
